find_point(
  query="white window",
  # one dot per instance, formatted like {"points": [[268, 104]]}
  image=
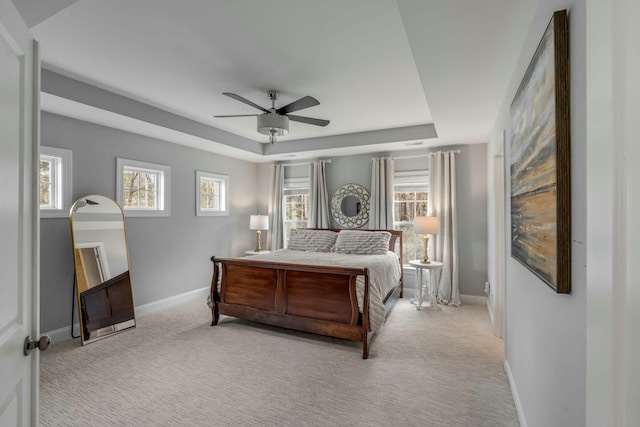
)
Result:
{"points": [[212, 194], [55, 182], [143, 189], [296, 205], [410, 200]]}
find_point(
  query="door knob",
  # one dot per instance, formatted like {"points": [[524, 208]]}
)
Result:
{"points": [[42, 344]]}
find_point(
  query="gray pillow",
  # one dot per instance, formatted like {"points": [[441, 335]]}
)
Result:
{"points": [[362, 242], [302, 239]]}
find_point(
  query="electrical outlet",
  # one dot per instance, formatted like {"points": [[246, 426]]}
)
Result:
{"points": [[487, 287]]}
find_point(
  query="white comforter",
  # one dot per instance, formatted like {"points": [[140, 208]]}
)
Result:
{"points": [[384, 274]]}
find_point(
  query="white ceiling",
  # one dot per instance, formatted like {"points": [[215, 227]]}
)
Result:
{"points": [[388, 74]]}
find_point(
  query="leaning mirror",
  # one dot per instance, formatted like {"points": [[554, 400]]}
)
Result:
{"points": [[100, 254], [350, 206]]}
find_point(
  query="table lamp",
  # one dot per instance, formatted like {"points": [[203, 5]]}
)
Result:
{"points": [[425, 225], [258, 223]]}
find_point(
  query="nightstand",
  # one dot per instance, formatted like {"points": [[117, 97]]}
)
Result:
{"points": [[431, 267], [255, 252]]}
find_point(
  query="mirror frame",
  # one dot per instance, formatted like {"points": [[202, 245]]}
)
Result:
{"points": [[118, 280], [361, 194]]}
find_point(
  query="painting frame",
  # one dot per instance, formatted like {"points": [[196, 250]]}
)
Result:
{"points": [[540, 166]]}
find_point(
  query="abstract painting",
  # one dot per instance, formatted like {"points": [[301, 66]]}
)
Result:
{"points": [[540, 163]]}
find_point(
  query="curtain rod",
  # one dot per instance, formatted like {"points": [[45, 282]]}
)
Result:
{"points": [[302, 163], [425, 155]]}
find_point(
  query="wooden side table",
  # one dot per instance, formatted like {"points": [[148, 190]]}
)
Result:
{"points": [[431, 267]]}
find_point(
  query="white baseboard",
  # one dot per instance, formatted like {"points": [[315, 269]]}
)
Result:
{"points": [[516, 398], [143, 309], [410, 289], [473, 299], [63, 334], [491, 315], [465, 299]]}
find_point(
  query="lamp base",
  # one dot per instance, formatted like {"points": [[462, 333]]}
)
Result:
{"points": [[425, 258], [258, 248]]}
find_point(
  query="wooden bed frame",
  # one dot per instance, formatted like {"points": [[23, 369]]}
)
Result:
{"points": [[310, 298]]}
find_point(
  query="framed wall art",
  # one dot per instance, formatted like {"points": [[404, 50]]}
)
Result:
{"points": [[540, 161]]}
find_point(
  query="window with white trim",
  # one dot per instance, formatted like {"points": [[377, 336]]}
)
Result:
{"points": [[143, 189], [55, 182], [212, 195], [411, 190], [296, 205]]}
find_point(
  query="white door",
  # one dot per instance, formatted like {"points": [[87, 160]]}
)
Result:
{"points": [[18, 219]]}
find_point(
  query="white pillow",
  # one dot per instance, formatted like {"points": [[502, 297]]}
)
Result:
{"points": [[362, 242], [312, 240]]}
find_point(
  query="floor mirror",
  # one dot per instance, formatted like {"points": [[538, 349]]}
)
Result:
{"points": [[102, 271]]}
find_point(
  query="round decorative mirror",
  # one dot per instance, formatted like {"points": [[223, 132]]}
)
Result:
{"points": [[350, 206]]}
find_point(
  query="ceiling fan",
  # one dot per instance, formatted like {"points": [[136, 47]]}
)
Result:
{"points": [[275, 121]]}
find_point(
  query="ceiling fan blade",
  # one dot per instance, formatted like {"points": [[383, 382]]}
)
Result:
{"points": [[308, 120], [246, 101], [306, 102], [240, 115]]}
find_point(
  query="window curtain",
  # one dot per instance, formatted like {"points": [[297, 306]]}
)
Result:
{"points": [[276, 238], [381, 205], [442, 204], [319, 197]]}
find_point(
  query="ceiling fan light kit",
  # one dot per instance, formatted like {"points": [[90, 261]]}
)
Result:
{"points": [[273, 125], [275, 122]]}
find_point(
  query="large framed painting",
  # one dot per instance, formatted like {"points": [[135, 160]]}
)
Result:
{"points": [[540, 161]]}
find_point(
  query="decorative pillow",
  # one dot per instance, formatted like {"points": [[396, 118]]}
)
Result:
{"points": [[362, 242], [312, 240]]}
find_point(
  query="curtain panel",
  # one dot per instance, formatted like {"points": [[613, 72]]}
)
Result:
{"points": [[319, 197], [442, 204], [276, 235], [381, 213]]}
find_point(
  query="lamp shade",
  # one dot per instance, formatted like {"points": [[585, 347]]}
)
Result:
{"points": [[258, 222], [425, 225]]}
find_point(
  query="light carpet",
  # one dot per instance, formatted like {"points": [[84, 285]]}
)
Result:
{"points": [[442, 368]]}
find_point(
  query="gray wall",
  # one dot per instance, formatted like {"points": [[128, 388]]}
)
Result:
{"points": [[169, 256], [471, 178], [471, 182], [545, 332]]}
